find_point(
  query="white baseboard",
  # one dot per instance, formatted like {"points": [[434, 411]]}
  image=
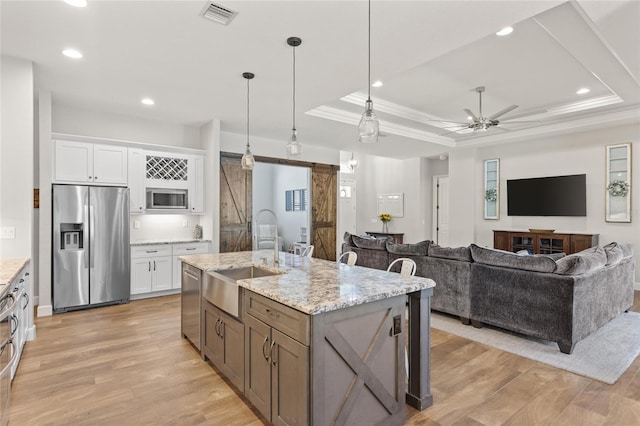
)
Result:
{"points": [[155, 294], [36, 300], [45, 310]]}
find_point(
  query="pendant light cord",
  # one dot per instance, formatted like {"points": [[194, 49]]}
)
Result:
{"points": [[369, 48], [247, 113], [294, 89]]}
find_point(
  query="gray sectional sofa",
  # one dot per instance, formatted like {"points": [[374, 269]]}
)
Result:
{"points": [[553, 297]]}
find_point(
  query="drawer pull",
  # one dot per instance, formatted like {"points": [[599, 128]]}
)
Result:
{"points": [[272, 313], [152, 251], [190, 248]]}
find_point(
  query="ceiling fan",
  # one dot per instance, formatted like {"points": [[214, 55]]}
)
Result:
{"points": [[480, 122]]}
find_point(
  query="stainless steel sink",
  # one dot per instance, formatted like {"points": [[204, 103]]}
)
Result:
{"points": [[220, 287]]}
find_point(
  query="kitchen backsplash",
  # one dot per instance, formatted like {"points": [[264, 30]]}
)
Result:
{"points": [[162, 226]]}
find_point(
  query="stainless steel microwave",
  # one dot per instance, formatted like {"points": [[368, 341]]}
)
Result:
{"points": [[171, 199]]}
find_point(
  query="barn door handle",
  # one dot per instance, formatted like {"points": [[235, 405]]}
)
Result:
{"points": [[249, 226]]}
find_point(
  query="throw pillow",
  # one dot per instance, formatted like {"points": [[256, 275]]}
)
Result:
{"points": [[614, 253], [418, 249], [462, 254], [505, 259], [582, 262], [369, 243]]}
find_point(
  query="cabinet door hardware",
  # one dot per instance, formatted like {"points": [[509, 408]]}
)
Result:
{"points": [[216, 327], [273, 314], [273, 359], [264, 344]]}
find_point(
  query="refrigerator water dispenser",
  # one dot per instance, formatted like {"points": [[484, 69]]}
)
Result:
{"points": [[71, 236]]}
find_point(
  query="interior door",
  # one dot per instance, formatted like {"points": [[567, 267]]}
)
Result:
{"points": [[235, 205], [441, 210], [323, 213], [347, 207]]}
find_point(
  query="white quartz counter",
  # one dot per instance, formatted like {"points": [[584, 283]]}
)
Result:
{"points": [[165, 241], [312, 286], [9, 270]]}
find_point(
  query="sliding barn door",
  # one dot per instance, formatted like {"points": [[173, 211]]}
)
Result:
{"points": [[323, 213], [235, 205]]}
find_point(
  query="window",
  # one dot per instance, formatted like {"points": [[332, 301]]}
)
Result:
{"points": [[296, 200]]}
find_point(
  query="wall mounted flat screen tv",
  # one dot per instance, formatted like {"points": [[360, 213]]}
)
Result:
{"points": [[547, 196]]}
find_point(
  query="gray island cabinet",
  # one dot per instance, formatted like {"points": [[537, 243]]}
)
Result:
{"points": [[320, 343]]}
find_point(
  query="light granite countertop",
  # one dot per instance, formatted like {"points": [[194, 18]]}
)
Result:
{"points": [[312, 286], [9, 270], [166, 241]]}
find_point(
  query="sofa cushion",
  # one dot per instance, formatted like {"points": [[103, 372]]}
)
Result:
{"points": [[614, 253], [506, 259], [462, 254], [418, 249], [369, 243], [582, 262], [627, 250]]}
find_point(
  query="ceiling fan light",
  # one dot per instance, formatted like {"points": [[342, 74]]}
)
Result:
{"points": [[294, 148], [369, 127]]}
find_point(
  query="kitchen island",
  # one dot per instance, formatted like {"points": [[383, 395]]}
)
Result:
{"points": [[324, 343]]}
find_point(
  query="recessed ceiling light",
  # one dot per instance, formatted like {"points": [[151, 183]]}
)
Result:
{"points": [[76, 3], [147, 101], [72, 53], [505, 31], [583, 91], [377, 83], [469, 117]]}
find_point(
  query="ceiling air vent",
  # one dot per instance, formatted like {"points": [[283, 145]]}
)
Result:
{"points": [[218, 13]]}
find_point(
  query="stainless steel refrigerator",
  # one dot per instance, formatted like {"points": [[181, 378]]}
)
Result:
{"points": [[91, 262]]}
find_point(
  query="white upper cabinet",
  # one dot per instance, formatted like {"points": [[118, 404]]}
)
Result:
{"points": [[87, 163], [196, 185], [136, 181]]}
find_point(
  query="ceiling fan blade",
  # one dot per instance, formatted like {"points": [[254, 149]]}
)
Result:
{"points": [[503, 112], [472, 115], [508, 121]]}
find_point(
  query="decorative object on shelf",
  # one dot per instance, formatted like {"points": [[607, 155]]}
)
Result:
{"points": [[294, 148], [353, 163], [247, 159], [385, 218], [618, 188], [618, 183], [492, 189], [369, 127], [197, 232]]}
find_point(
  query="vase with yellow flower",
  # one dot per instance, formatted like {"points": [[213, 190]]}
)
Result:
{"points": [[385, 218]]}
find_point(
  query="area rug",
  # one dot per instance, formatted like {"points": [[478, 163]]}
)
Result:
{"points": [[604, 355]]}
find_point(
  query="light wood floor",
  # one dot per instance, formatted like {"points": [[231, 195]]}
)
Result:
{"points": [[128, 365]]}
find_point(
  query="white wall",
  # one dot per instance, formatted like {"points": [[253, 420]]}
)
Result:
{"points": [[82, 122], [233, 142], [379, 175], [16, 155], [576, 153]]}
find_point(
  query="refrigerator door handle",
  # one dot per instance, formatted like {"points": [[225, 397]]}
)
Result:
{"points": [[92, 238], [85, 250]]}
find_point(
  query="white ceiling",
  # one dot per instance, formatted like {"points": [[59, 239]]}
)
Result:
{"points": [[429, 54]]}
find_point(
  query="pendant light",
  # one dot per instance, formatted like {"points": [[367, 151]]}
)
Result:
{"points": [[353, 163], [369, 127], [248, 161], [294, 148]]}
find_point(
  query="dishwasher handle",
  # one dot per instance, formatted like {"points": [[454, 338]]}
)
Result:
{"points": [[190, 275]]}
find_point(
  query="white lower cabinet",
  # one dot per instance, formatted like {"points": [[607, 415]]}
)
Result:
{"points": [[151, 268], [183, 249], [156, 267]]}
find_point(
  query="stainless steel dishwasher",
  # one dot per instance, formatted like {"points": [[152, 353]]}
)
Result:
{"points": [[191, 303]]}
